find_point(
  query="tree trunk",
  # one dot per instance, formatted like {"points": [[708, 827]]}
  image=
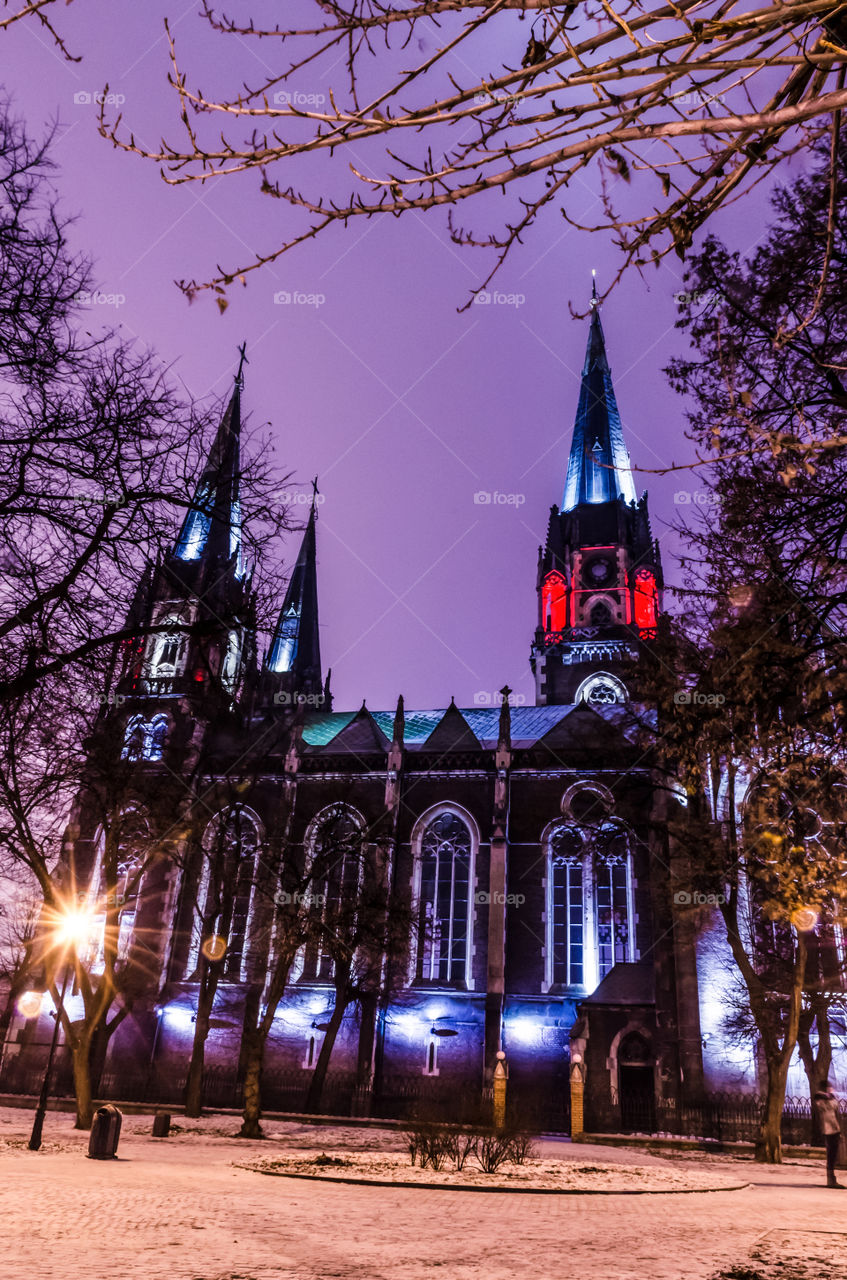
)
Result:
{"points": [[769, 1139], [316, 1086], [81, 1058], [253, 1060]]}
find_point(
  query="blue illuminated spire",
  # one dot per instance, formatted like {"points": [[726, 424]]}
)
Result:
{"points": [[296, 642], [212, 528], [599, 466]]}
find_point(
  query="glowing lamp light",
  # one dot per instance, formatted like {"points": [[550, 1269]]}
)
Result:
{"points": [[71, 927], [29, 1003], [576, 1058], [214, 948], [524, 1030], [804, 919]]}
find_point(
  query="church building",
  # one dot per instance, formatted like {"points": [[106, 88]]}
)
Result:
{"points": [[530, 842]]}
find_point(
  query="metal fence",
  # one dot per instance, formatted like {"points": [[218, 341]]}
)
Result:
{"points": [[724, 1117]]}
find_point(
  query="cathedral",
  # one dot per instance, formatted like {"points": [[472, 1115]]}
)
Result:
{"points": [[530, 842]]}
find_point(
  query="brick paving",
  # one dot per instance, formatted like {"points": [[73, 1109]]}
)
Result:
{"points": [[179, 1210]]}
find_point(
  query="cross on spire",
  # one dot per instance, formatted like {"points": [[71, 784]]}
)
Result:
{"points": [[242, 352]]}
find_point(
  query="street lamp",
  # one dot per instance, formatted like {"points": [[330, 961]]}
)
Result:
{"points": [[68, 929]]}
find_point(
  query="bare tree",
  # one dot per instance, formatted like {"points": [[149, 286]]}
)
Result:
{"points": [[436, 103], [41, 13]]}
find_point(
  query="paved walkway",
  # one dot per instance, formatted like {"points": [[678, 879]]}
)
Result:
{"points": [[179, 1210]]}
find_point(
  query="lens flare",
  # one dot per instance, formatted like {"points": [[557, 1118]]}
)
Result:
{"points": [[804, 919], [29, 1003], [214, 948]]}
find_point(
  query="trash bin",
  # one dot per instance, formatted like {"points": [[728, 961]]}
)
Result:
{"points": [[105, 1132], [161, 1124]]}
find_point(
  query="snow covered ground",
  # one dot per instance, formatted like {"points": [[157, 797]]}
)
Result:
{"points": [[182, 1208]]}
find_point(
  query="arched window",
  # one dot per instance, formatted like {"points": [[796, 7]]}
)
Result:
{"points": [[224, 895], [613, 890], [156, 737], [601, 689], [231, 662], [134, 735], [443, 876], [589, 909], [145, 739], [166, 650], [554, 603], [566, 879], [121, 890], [601, 614], [646, 601], [793, 837], [334, 845]]}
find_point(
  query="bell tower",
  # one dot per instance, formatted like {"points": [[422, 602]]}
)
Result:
{"points": [[599, 574]]}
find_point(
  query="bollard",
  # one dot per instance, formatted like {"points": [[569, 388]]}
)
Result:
{"points": [[105, 1132], [161, 1124]]}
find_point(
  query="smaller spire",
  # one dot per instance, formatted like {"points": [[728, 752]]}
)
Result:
{"points": [[296, 642], [399, 730], [504, 732]]}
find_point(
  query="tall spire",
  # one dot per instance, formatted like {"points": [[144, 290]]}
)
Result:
{"points": [[212, 528], [598, 467], [296, 645]]}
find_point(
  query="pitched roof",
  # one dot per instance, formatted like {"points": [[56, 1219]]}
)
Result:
{"points": [[530, 725], [626, 984], [452, 733], [361, 735]]}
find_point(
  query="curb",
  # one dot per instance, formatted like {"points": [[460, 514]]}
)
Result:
{"points": [[521, 1191]]}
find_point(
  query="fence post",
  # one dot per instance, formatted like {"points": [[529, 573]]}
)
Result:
{"points": [[577, 1096]]}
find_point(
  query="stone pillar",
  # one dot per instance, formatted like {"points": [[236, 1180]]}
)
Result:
{"points": [[577, 1097], [497, 893], [501, 1077]]}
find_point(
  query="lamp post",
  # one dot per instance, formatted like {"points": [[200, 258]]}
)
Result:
{"points": [[34, 1143], [70, 926]]}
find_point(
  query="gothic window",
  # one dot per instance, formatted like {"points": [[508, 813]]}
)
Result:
{"points": [[601, 690], [601, 614], [806, 828], [145, 739], [166, 653], [646, 601], [334, 846], [195, 530], [232, 658], [568, 914], [554, 603], [612, 876], [284, 648], [156, 737], [589, 890], [133, 738], [118, 893], [443, 885], [224, 897]]}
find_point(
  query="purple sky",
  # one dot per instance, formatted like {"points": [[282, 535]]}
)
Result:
{"points": [[403, 408]]}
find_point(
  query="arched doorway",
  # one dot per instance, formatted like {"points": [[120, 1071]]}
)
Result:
{"points": [[636, 1088]]}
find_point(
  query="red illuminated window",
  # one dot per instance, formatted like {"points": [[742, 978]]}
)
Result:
{"points": [[646, 600], [554, 603]]}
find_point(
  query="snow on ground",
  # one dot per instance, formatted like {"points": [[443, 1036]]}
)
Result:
{"points": [[182, 1209]]}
